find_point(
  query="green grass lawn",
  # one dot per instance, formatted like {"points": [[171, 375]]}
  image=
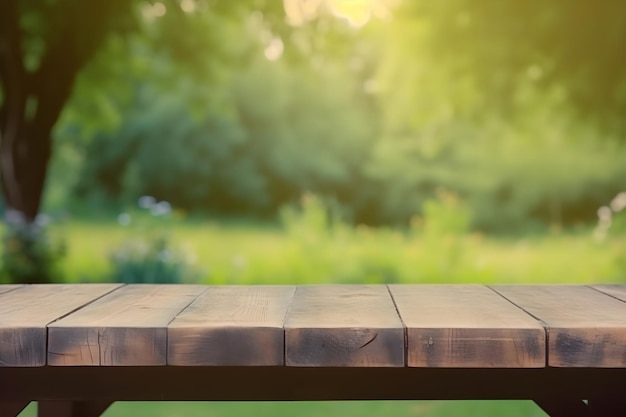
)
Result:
{"points": [[317, 409], [243, 254], [238, 254]]}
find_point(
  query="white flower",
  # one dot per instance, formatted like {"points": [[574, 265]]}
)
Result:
{"points": [[604, 213], [161, 208], [14, 217], [42, 220], [146, 201], [619, 202]]}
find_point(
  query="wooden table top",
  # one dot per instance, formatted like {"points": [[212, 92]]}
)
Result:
{"points": [[434, 326]]}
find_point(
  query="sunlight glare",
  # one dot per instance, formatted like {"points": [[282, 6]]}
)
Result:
{"points": [[274, 49], [188, 6], [159, 9], [356, 12], [300, 11], [153, 11]]}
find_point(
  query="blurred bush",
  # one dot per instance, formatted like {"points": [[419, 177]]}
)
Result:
{"points": [[149, 256], [30, 254], [445, 215], [152, 260], [274, 135]]}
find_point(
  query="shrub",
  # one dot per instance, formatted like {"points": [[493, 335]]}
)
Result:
{"points": [[31, 255], [150, 257], [151, 261], [308, 220], [446, 215]]}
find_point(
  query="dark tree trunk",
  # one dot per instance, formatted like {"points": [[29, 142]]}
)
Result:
{"points": [[31, 104], [25, 138], [34, 100], [13, 112], [25, 155]]}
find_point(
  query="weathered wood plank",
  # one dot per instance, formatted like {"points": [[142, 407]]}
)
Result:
{"points": [[614, 290], [231, 326], [25, 312], [467, 326], [343, 325], [125, 328], [585, 327], [4, 288]]}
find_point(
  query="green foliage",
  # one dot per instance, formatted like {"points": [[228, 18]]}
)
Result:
{"points": [[492, 102], [308, 221], [541, 165], [507, 192], [489, 51], [30, 255], [619, 223], [259, 150], [445, 216], [618, 207]]}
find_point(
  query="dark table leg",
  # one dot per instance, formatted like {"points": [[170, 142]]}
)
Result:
{"points": [[12, 408], [71, 408], [607, 407], [596, 407]]}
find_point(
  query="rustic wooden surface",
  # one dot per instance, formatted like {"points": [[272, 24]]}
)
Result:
{"points": [[343, 325], [9, 287], [313, 326], [231, 326], [585, 327], [467, 326], [25, 312], [125, 328], [614, 290]]}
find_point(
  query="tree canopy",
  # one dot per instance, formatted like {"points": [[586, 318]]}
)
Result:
{"points": [[374, 105]]}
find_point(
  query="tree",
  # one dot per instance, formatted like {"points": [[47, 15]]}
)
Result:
{"points": [[516, 106], [575, 46], [46, 44], [43, 47]]}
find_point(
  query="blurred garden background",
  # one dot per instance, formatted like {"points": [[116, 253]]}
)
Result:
{"points": [[313, 141]]}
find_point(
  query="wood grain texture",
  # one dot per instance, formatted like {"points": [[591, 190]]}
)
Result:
{"points": [[231, 326], [585, 327], [467, 326], [26, 311], [4, 288], [343, 325], [125, 328], [614, 290]]}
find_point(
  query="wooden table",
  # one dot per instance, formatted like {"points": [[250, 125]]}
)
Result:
{"points": [[78, 348]]}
